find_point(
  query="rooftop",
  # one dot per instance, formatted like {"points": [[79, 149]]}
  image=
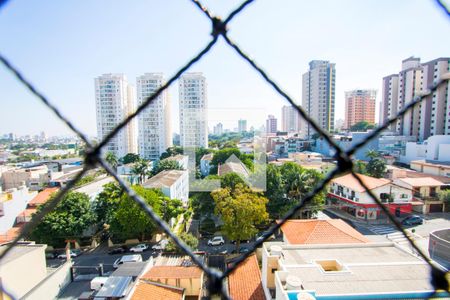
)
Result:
{"points": [[421, 181], [152, 290], [163, 179], [366, 269], [232, 167], [245, 281], [178, 157], [333, 231], [18, 251], [43, 196], [176, 272], [208, 156], [351, 182], [430, 163]]}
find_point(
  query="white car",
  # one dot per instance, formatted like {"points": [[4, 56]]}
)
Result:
{"points": [[161, 245], [127, 259], [216, 241], [72, 254], [139, 248]]}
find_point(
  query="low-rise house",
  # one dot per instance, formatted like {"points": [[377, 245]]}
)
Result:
{"points": [[12, 202], [245, 282], [233, 165], [425, 192], [343, 271], [349, 196], [436, 148], [332, 231], [205, 164], [430, 167], [34, 178], [170, 277], [173, 183]]}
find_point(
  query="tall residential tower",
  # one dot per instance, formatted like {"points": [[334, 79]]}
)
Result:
{"points": [[429, 117], [193, 110], [290, 119], [359, 106], [319, 95], [114, 100], [154, 124]]}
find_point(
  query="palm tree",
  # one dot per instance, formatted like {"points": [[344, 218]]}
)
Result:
{"points": [[140, 168], [111, 159]]}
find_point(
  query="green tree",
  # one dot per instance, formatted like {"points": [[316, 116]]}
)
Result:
{"points": [[106, 203], [70, 218], [241, 210], [166, 165], [170, 208], [231, 180], [360, 167], [376, 167], [362, 126], [275, 192], [111, 159], [171, 151], [188, 238], [140, 168], [130, 158], [130, 220], [372, 153]]}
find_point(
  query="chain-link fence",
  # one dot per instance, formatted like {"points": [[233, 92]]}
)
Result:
{"points": [[216, 277]]}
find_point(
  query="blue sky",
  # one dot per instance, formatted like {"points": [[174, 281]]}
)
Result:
{"points": [[62, 45]]}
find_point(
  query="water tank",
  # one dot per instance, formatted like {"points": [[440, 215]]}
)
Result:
{"points": [[293, 283], [275, 250]]}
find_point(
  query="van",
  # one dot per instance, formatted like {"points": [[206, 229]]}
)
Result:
{"points": [[126, 259]]}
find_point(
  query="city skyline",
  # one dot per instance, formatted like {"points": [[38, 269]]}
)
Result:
{"points": [[70, 65]]}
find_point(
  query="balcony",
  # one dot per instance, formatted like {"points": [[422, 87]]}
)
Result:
{"points": [[430, 197]]}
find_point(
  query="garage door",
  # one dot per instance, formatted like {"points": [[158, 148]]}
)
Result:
{"points": [[435, 208]]}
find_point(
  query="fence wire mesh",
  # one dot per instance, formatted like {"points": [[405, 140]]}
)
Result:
{"points": [[216, 277]]}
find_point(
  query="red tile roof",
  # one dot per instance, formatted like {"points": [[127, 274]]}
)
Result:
{"points": [[351, 182], [149, 290], [334, 231], [158, 272], [27, 212], [11, 234], [245, 282], [43, 196]]}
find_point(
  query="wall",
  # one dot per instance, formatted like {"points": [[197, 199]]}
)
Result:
{"points": [[192, 286], [439, 247], [20, 275], [444, 152], [52, 285], [13, 207]]}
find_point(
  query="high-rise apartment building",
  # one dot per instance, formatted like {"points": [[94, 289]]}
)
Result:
{"points": [[319, 95], [193, 110], [218, 129], [290, 119], [359, 106], [242, 125], [432, 115], [154, 124], [271, 124], [114, 99]]}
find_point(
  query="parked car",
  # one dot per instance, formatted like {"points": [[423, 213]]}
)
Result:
{"points": [[241, 250], [161, 245], [139, 248], [51, 255], [216, 241], [242, 241], [119, 250], [127, 259], [73, 253], [259, 236], [412, 220]]}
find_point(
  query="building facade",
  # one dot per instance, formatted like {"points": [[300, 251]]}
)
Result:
{"points": [[359, 106], [290, 119], [114, 99], [218, 129], [172, 183], [431, 116], [271, 124], [193, 110], [318, 91], [154, 124], [242, 125]]}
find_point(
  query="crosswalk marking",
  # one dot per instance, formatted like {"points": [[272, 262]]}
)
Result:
{"points": [[382, 229]]}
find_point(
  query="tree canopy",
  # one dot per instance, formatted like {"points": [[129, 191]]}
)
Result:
{"points": [[241, 210], [362, 126], [130, 158], [70, 218], [163, 165], [112, 160], [171, 151], [188, 238]]}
